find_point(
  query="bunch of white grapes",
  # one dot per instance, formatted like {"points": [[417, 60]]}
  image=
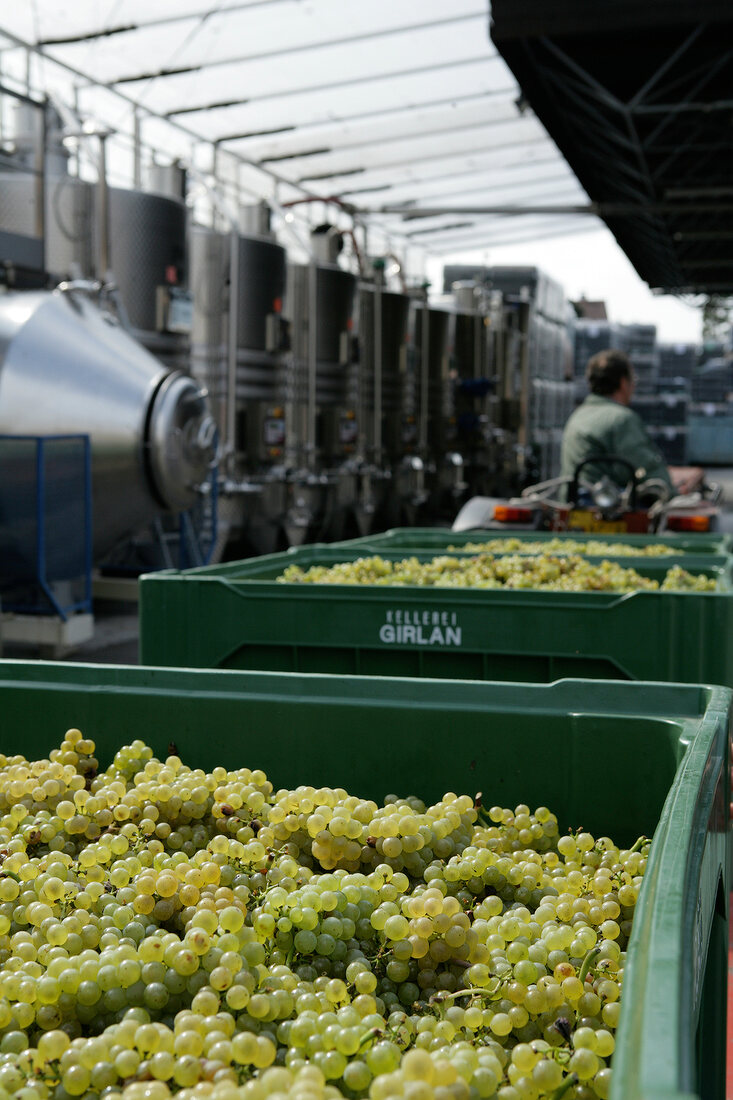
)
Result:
{"points": [[543, 572], [591, 547], [169, 931]]}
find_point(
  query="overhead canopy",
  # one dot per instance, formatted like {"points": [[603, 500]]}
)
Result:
{"points": [[639, 99], [406, 105]]}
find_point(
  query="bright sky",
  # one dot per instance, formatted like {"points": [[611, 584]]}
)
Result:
{"points": [[592, 265]]}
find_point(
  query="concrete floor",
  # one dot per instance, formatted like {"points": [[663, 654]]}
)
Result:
{"points": [[115, 641]]}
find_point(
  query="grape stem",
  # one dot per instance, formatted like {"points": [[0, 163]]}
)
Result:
{"points": [[373, 1033], [488, 991], [588, 961], [567, 1084], [637, 844]]}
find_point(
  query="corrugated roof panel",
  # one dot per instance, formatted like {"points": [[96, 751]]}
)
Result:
{"points": [[405, 103]]}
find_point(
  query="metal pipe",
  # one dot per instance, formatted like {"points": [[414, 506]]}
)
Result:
{"points": [[75, 158], [478, 328], [214, 167], [378, 364], [598, 209], [104, 257], [232, 344], [424, 375], [137, 174], [310, 434], [507, 209], [40, 185]]}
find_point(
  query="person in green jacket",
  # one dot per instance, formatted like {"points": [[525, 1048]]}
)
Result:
{"points": [[605, 425]]}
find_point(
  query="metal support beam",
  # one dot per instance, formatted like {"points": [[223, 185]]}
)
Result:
{"points": [[126, 28], [583, 104], [704, 235], [425, 159], [487, 171], [489, 238], [597, 142], [362, 116], [602, 95], [379, 142], [712, 71], [303, 47], [562, 182], [668, 64], [681, 108], [597, 209], [333, 85], [696, 192], [701, 264], [420, 215]]}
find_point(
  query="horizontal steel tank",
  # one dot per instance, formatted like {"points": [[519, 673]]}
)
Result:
{"points": [[67, 367]]}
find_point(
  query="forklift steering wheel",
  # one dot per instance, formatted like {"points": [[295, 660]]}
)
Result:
{"points": [[608, 460]]}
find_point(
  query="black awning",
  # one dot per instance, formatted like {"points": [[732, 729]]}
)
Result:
{"points": [[639, 100]]}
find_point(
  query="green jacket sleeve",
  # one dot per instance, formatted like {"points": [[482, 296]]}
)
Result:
{"points": [[634, 444]]}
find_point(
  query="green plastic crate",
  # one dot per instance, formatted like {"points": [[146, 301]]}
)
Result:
{"points": [[237, 616], [438, 539], [619, 759]]}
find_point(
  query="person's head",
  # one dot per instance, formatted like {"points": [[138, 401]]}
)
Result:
{"points": [[610, 374]]}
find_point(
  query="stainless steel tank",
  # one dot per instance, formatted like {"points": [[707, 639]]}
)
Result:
{"points": [[383, 333], [476, 341], [147, 236], [319, 303], [66, 367], [433, 387], [261, 286], [69, 222], [147, 247]]}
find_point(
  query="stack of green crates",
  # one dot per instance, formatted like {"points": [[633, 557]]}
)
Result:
{"points": [[610, 754], [438, 539], [620, 759], [238, 616]]}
